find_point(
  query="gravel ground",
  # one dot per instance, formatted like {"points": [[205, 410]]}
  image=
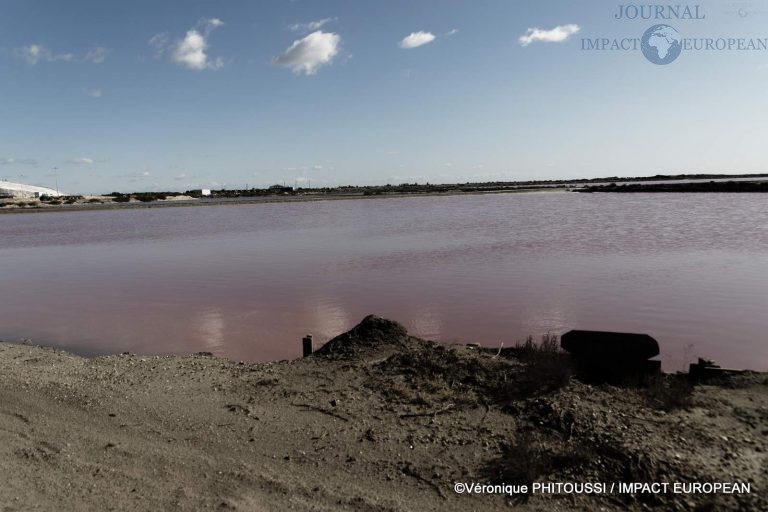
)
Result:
{"points": [[375, 421]]}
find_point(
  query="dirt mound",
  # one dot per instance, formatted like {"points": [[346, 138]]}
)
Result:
{"points": [[371, 334]]}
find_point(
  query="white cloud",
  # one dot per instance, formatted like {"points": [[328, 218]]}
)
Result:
{"points": [[556, 35], [93, 93], [306, 55], [310, 26], [452, 32], [97, 55], [416, 39], [190, 51], [81, 161]]}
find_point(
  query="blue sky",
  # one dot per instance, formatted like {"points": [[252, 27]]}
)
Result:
{"points": [[148, 95]]}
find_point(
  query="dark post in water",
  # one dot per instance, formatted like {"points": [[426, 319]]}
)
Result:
{"points": [[307, 344]]}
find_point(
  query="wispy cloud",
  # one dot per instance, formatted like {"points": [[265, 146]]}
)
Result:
{"points": [[416, 39], [160, 43], [190, 51], [93, 93], [452, 32], [81, 161], [96, 55], [18, 161], [556, 35], [137, 176], [305, 168], [212, 23], [35, 53], [409, 179], [310, 26], [309, 53]]}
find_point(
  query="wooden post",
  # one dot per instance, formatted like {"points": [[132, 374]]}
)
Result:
{"points": [[307, 345]]}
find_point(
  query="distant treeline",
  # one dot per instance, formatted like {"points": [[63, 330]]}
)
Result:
{"points": [[424, 188], [144, 197], [663, 177], [373, 190], [706, 186]]}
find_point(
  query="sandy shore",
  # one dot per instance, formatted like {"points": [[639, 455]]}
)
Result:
{"points": [[376, 421]]}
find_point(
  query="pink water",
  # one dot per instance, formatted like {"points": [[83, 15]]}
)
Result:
{"points": [[248, 281]]}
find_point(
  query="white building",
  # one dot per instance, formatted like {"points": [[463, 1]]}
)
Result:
{"points": [[10, 189]]}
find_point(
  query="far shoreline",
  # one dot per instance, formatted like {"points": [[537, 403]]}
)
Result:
{"points": [[703, 183], [260, 200]]}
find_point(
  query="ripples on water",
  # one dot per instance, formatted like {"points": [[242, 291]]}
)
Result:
{"points": [[248, 281]]}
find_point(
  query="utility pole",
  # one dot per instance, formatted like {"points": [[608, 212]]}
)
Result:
{"points": [[56, 177]]}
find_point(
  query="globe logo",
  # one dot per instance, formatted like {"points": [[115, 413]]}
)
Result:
{"points": [[661, 44]]}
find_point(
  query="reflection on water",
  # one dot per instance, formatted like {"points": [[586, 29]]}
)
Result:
{"points": [[209, 329], [248, 281]]}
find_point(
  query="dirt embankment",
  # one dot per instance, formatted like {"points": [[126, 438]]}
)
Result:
{"points": [[376, 420]]}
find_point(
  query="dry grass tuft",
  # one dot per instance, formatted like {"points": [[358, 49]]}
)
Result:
{"points": [[669, 393], [547, 367]]}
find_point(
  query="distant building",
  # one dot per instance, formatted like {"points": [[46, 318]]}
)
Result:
{"points": [[280, 189], [205, 192], [19, 190]]}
